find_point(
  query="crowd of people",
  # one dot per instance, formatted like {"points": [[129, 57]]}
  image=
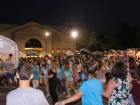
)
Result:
{"points": [[89, 77]]}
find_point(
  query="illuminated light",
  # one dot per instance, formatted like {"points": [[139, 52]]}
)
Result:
{"points": [[47, 34], [50, 55], [74, 34]]}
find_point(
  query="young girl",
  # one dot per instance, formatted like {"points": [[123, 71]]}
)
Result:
{"points": [[53, 82], [75, 75], [100, 73], [45, 70], [35, 70], [69, 79]]}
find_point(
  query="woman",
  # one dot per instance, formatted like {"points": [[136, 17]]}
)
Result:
{"points": [[79, 66], [45, 70], [69, 79], [60, 75], [136, 87], [35, 70], [75, 75], [100, 73], [132, 66], [53, 82], [90, 92], [112, 62], [118, 87]]}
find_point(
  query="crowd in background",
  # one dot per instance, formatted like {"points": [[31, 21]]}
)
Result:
{"points": [[60, 75]]}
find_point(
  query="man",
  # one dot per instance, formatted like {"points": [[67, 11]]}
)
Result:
{"points": [[2, 74], [25, 95], [90, 92], [10, 69]]}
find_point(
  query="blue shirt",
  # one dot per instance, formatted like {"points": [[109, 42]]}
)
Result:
{"points": [[83, 76], [45, 72], [68, 73], [92, 92], [60, 73], [35, 72]]}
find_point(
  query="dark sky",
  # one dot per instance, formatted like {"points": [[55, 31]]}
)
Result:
{"points": [[102, 15]]}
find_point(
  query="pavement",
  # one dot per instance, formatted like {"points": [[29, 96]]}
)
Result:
{"points": [[5, 90]]}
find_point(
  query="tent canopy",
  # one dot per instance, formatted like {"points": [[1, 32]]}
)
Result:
{"points": [[32, 53], [7, 47], [22, 54]]}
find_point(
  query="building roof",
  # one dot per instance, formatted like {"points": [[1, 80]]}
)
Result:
{"points": [[16, 27]]}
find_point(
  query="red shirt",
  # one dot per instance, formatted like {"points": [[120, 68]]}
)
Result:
{"points": [[136, 92]]}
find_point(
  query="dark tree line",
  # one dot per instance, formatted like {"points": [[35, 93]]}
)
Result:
{"points": [[125, 37]]}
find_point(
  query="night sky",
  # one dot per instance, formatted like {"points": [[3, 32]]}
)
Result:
{"points": [[104, 16]]}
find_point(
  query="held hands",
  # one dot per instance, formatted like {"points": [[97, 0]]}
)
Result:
{"points": [[60, 103]]}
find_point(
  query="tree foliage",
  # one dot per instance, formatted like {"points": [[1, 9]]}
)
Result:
{"points": [[125, 37]]}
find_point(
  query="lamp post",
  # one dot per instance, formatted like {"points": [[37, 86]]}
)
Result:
{"points": [[74, 34]]}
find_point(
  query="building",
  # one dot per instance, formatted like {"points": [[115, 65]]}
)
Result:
{"points": [[31, 37]]}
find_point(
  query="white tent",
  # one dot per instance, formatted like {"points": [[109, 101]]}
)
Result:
{"points": [[7, 46], [32, 54], [22, 54]]}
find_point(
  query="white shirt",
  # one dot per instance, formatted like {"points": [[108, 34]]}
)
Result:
{"points": [[28, 96]]}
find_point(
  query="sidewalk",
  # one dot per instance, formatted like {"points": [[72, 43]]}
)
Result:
{"points": [[5, 90]]}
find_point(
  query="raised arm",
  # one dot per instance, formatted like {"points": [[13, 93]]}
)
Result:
{"points": [[109, 88]]}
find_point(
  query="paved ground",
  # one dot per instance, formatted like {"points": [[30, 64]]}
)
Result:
{"points": [[5, 90]]}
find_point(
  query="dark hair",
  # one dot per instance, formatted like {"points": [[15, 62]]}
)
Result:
{"points": [[24, 71], [10, 55], [92, 72], [138, 72], [119, 71], [134, 74], [132, 64]]}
